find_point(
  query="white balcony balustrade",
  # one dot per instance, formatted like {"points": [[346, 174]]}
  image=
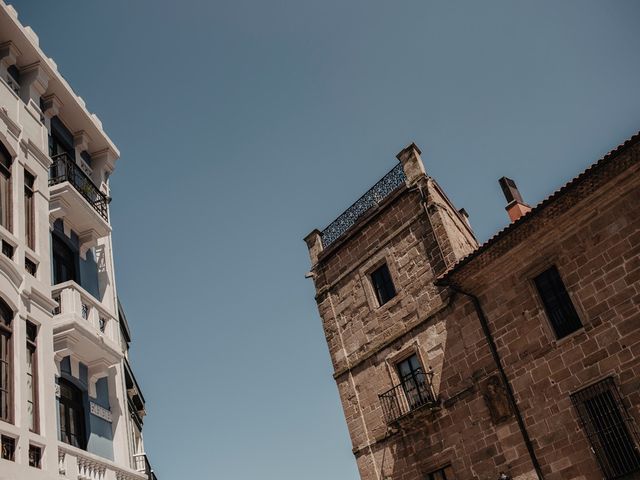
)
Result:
{"points": [[84, 328], [77, 464]]}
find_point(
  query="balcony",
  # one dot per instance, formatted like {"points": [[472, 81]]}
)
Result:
{"points": [[77, 464], [78, 200], [141, 464], [84, 328], [411, 394]]}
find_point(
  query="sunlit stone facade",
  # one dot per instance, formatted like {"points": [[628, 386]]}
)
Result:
{"points": [[515, 359]]}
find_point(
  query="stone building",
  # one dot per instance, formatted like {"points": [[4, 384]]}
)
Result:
{"points": [[518, 358], [70, 405]]}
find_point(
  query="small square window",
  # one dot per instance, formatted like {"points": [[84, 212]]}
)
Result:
{"points": [[383, 284], [445, 473], [30, 267], [8, 448], [557, 303], [35, 456], [7, 249]]}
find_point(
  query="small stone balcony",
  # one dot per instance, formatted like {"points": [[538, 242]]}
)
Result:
{"points": [[411, 394], [82, 326]]}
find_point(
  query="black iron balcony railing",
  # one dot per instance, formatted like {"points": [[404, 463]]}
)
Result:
{"points": [[414, 391], [65, 169], [381, 190]]}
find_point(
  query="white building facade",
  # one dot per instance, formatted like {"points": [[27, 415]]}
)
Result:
{"points": [[70, 406]]}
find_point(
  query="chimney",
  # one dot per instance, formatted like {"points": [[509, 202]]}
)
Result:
{"points": [[465, 216], [516, 207]]}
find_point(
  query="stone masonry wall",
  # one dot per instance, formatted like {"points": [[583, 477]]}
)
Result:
{"points": [[596, 248]]}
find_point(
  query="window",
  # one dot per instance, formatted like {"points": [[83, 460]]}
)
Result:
{"points": [[6, 357], [64, 261], [560, 311], [72, 429], [29, 210], [30, 267], [414, 382], [609, 429], [13, 79], [382, 284], [32, 377], [35, 456], [60, 140], [5, 187], [445, 473], [7, 249], [8, 448]]}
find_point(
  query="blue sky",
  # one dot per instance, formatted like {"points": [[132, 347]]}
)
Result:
{"points": [[245, 124]]}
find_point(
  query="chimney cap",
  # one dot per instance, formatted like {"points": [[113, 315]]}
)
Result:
{"points": [[510, 191]]}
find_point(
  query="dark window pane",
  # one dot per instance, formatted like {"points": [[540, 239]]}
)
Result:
{"points": [[72, 427], [414, 382], [383, 285], [29, 210], [5, 187], [64, 261], [35, 456], [8, 448], [557, 303]]}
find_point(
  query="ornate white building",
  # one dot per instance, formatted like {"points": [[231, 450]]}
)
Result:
{"points": [[70, 406]]}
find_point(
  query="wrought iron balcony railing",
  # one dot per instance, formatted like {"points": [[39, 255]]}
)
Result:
{"points": [[65, 169], [414, 391], [381, 190]]}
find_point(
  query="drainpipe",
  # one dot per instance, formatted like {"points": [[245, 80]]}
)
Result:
{"points": [[503, 376]]}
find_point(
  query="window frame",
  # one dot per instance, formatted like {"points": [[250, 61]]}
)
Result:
{"points": [[7, 332], [32, 331], [65, 408], [545, 308], [4, 454], [61, 241], [29, 209], [6, 180], [583, 400], [385, 277], [38, 459]]}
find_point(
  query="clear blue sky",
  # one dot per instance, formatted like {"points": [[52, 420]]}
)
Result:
{"points": [[245, 124]]}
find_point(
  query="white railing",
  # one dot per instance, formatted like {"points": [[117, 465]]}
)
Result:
{"points": [[76, 464], [72, 298], [141, 463]]}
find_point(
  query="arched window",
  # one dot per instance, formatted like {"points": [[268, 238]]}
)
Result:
{"points": [[5, 187], [72, 429], [6, 362]]}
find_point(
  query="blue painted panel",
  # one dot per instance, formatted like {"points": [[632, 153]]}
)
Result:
{"points": [[89, 274], [102, 392], [100, 438]]}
